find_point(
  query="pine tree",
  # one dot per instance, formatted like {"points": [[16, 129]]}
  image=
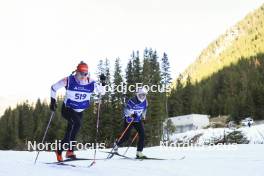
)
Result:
{"points": [[129, 78], [9, 138], [156, 109], [40, 113], [26, 124], [165, 70], [117, 101], [175, 106], [187, 96], [146, 76], [165, 79], [137, 68]]}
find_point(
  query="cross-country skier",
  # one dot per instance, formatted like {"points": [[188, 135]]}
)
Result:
{"points": [[135, 113], [79, 87]]}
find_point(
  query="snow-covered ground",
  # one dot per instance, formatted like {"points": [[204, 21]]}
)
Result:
{"points": [[255, 134], [242, 160]]}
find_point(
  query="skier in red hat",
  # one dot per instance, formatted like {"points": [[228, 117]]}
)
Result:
{"points": [[79, 87]]}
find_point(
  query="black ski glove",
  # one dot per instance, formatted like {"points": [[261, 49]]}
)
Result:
{"points": [[103, 79], [53, 104], [134, 115]]}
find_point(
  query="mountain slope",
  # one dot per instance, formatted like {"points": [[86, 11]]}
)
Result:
{"points": [[245, 39]]}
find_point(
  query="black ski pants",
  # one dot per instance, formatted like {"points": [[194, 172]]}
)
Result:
{"points": [[74, 123]]}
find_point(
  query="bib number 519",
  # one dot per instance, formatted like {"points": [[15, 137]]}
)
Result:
{"points": [[79, 96]]}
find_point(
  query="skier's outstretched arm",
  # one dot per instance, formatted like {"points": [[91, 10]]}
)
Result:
{"points": [[54, 88]]}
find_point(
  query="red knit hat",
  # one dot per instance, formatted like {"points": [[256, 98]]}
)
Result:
{"points": [[82, 67]]}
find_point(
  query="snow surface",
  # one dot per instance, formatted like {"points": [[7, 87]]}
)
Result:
{"points": [[243, 160]]}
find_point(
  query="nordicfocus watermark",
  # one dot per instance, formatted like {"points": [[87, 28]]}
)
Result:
{"points": [[124, 88], [57, 145], [189, 145]]}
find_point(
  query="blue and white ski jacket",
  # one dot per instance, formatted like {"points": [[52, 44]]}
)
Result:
{"points": [[134, 106], [78, 92]]}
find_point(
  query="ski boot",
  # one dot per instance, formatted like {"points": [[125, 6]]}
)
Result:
{"points": [[140, 155], [70, 154], [59, 157]]}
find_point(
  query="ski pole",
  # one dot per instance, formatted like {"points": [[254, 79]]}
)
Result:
{"points": [[124, 131], [136, 135], [97, 127], [51, 117], [120, 137]]}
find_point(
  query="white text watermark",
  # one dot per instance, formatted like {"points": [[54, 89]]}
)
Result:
{"points": [[57, 145]]}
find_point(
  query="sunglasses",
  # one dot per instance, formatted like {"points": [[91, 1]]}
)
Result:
{"points": [[83, 73]]}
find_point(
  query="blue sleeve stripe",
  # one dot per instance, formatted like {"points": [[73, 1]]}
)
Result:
{"points": [[129, 104]]}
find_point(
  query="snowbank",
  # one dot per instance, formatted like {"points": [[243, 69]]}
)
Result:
{"points": [[255, 134]]}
